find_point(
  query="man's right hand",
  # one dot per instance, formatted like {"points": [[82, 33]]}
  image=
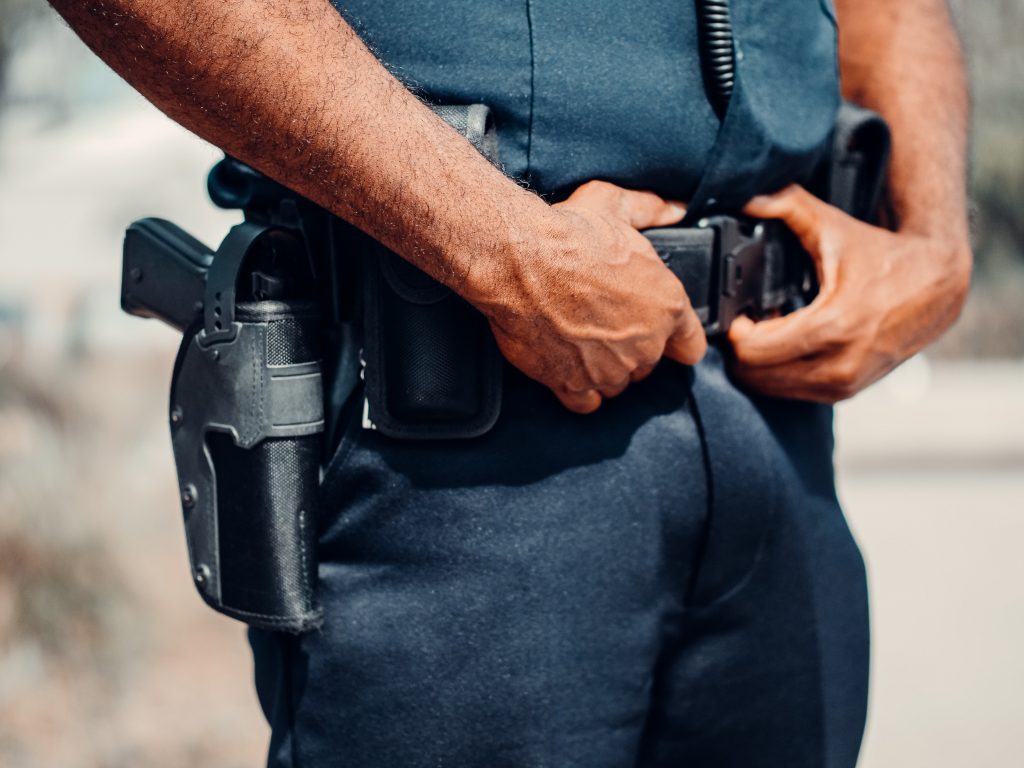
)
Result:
{"points": [[588, 306]]}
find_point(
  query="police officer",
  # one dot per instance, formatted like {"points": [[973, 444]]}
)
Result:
{"points": [[650, 567]]}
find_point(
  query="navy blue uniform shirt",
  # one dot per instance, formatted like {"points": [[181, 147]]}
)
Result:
{"points": [[613, 89]]}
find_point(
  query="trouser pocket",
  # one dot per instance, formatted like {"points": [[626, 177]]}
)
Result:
{"points": [[743, 476]]}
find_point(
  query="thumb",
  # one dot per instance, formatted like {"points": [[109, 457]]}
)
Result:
{"points": [[643, 210], [798, 209], [688, 342], [640, 210]]}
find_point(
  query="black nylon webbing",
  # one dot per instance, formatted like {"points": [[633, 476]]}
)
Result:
{"points": [[689, 254]]}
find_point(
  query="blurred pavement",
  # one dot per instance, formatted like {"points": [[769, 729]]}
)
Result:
{"points": [[931, 473]]}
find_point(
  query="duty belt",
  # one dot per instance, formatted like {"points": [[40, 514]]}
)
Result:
{"points": [[430, 364], [731, 267]]}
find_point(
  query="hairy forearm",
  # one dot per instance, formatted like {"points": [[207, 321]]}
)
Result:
{"points": [[288, 87], [577, 298], [903, 59]]}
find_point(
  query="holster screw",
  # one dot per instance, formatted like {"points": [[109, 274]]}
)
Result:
{"points": [[202, 574], [177, 415], [188, 495]]}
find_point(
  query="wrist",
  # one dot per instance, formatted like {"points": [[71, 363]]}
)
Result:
{"points": [[945, 228], [950, 230], [948, 250], [943, 262], [501, 263]]}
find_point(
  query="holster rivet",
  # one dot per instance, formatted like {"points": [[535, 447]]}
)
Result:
{"points": [[202, 574], [214, 354], [177, 415], [188, 495]]}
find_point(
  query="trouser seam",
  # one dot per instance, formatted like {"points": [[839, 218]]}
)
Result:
{"points": [[529, 129], [702, 544], [289, 681]]}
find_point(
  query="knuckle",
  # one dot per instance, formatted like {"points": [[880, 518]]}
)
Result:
{"points": [[690, 350], [692, 332], [614, 390], [697, 349], [845, 327], [845, 379], [638, 243], [600, 189], [650, 350], [641, 372], [585, 380], [576, 388], [798, 194], [600, 384], [837, 395], [830, 319], [836, 328]]}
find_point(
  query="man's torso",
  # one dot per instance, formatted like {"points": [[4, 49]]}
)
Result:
{"points": [[615, 91]]}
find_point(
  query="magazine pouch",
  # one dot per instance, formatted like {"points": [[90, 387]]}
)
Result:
{"points": [[430, 362]]}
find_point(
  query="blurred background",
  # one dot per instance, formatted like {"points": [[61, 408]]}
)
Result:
{"points": [[107, 656]]}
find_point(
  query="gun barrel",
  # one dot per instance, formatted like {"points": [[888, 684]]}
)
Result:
{"points": [[163, 272]]}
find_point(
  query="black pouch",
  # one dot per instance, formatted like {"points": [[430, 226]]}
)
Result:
{"points": [[854, 174], [430, 362], [431, 365], [246, 419]]}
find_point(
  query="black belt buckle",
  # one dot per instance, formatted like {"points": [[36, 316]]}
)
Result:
{"points": [[757, 268]]}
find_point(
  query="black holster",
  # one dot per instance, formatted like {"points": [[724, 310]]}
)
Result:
{"points": [[246, 415]]}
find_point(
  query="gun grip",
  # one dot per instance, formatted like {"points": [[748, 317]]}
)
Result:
{"points": [[163, 272]]}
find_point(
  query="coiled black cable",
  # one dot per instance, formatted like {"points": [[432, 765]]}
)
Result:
{"points": [[717, 56]]}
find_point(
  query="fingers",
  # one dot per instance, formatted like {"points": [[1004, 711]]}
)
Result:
{"points": [[823, 324], [642, 372], [797, 208], [614, 390], [688, 343], [645, 209], [793, 381], [821, 379], [781, 339], [639, 209], [580, 402], [590, 400]]}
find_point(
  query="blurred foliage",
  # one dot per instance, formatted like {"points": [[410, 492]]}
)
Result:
{"points": [[991, 32], [14, 14], [66, 617], [103, 641], [992, 324]]}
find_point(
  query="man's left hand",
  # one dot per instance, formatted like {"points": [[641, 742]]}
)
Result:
{"points": [[883, 296]]}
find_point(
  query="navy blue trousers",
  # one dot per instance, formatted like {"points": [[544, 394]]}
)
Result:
{"points": [[667, 582]]}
